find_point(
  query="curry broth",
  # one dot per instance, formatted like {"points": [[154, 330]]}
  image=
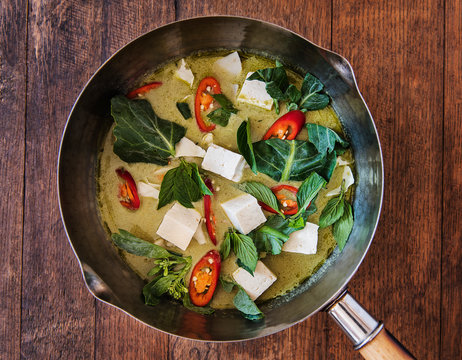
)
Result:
{"points": [[290, 268]]}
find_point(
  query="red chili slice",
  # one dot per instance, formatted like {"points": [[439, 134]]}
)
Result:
{"points": [[206, 88], [128, 193], [144, 89], [209, 216], [288, 206], [204, 278], [287, 126]]}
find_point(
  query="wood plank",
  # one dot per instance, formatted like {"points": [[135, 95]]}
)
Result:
{"points": [[307, 339], [12, 126], [58, 312], [122, 22], [396, 49], [451, 316]]}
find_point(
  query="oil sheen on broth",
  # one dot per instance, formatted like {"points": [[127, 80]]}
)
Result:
{"points": [[290, 268]]}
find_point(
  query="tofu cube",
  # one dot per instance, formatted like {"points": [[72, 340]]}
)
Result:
{"points": [[244, 213], [304, 241], [230, 64], [179, 225], [255, 285], [224, 162], [254, 92], [148, 190], [186, 147], [347, 175], [184, 73], [201, 234]]}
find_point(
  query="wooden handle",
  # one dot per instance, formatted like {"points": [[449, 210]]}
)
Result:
{"points": [[385, 347]]}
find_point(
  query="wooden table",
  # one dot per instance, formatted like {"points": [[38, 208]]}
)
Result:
{"points": [[407, 56]]}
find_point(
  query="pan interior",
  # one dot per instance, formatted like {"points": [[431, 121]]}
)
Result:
{"points": [[107, 276]]}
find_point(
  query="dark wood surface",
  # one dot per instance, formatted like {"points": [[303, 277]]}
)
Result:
{"points": [[407, 56]]}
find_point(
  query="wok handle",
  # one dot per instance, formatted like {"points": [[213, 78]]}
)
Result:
{"points": [[367, 334]]}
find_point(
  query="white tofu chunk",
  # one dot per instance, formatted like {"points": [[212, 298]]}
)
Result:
{"points": [[347, 176], [201, 233], [304, 241], [184, 73], [224, 162], [230, 64], [179, 225], [186, 147], [255, 285], [254, 92], [244, 213], [148, 189]]}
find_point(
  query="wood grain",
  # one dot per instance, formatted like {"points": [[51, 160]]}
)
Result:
{"points": [[451, 263], [12, 141], [397, 53]]}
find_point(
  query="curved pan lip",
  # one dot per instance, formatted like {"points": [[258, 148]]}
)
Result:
{"points": [[345, 282]]}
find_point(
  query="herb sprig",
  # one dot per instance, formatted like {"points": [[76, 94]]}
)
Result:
{"points": [[221, 115], [244, 248]]}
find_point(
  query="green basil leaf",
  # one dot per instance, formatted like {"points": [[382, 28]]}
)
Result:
{"points": [[141, 136], [204, 310], [274, 233], [308, 190], [284, 160], [324, 139], [244, 266], [134, 245], [332, 211], [166, 193], [246, 306], [227, 285], [311, 99], [343, 226], [245, 250], [225, 103], [225, 246], [262, 193], [185, 189], [244, 144], [219, 116], [199, 181], [149, 297], [183, 108]]}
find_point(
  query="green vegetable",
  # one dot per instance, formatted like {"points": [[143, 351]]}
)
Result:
{"points": [[141, 136], [221, 115], [169, 269], [183, 108], [311, 99], [308, 190], [324, 139], [246, 306], [183, 184], [262, 193], [244, 144], [243, 247], [332, 211], [204, 310], [227, 284], [284, 160], [342, 228]]}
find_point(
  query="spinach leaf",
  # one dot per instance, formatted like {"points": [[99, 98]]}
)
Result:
{"points": [[204, 310], [134, 245], [308, 190], [311, 99], [245, 250], [284, 160], [183, 108], [183, 184], [324, 139], [244, 144], [141, 136], [343, 226], [246, 306], [262, 193], [332, 211], [221, 115]]}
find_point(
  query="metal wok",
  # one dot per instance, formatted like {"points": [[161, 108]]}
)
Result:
{"points": [[110, 280]]}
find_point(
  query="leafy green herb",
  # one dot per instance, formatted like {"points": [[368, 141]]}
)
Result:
{"points": [[183, 108], [311, 99], [226, 246], [246, 306], [262, 193], [324, 139], [183, 184], [332, 211], [284, 160], [244, 144], [243, 247], [141, 136], [227, 284], [308, 190], [343, 226], [204, 310], [221, 115], [169, 269]]}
